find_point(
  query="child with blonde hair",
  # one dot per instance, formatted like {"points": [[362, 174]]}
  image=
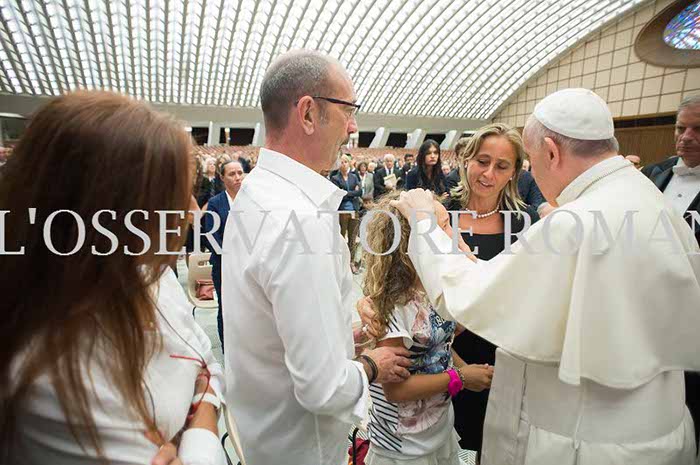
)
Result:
{"points": [[411, 422]]}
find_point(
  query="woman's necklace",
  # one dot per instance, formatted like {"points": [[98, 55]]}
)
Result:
{"points": [[487, 214]]}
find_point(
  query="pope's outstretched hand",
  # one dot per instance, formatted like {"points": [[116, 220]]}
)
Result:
{"points": [[418, 202]]}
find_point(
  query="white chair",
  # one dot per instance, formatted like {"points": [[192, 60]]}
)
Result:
{"points": [[199, 268], [232, 434]]}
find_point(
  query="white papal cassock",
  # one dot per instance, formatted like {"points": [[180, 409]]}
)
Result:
{"points": [[590, 363]]}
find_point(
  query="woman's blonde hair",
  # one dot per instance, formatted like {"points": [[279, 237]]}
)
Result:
{"points": [[510, 198], [391, 279]]}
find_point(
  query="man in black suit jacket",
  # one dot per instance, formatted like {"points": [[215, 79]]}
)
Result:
{"points": [[679, 179], [385, 170]]}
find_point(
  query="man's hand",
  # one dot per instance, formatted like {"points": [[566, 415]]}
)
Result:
{"points": [[418, 202], [392, 363], [477, 377]]}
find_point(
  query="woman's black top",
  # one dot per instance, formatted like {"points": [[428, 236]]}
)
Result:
{"points": [[415, 180], [470, 407]]}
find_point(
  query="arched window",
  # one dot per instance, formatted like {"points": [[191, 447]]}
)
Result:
{"points": [[672, 37], [683, 31]]}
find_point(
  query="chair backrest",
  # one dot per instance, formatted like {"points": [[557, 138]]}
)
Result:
{"points": [[199, 268]]}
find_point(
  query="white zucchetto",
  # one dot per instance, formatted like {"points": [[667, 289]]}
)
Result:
{"points": [[576, 113]]}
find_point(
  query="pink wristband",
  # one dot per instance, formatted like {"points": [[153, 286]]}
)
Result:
{"points": [[455, 384]]}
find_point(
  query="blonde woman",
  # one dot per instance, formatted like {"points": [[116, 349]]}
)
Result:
{"points": [[489, 169]]}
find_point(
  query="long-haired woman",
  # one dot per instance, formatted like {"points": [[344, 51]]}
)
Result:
{"points": [[101, 360], [427, 173]]}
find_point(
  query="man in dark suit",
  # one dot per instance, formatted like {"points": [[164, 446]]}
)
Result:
{"points": [[679, 179], [232, 174], [408, 164], [380, 188]]}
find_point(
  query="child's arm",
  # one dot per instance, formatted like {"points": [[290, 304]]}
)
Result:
{"points": [[416, 387], [476, 377]]}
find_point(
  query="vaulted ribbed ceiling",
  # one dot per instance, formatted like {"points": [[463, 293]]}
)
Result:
{"points": [[440, 58]]}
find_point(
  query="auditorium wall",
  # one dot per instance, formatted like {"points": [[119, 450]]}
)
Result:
{"points": [[607, 63]]}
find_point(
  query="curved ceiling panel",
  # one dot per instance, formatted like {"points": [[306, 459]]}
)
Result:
{"points": [[443, 58]]}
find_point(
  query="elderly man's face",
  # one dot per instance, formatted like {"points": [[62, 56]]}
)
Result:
{"points": [[688, 135], [540, 167], [340, 120]]}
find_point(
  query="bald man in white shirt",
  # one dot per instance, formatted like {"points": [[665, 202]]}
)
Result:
{"points": [[293, 385]]}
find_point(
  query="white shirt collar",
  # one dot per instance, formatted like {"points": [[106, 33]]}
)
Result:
{"points": [[681, 164], [590, 176], [317, 188], [230, 199]]}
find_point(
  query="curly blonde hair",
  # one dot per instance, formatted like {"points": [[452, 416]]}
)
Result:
{"points": [[391, 279]]}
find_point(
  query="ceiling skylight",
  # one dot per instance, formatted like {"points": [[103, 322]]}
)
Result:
{"points": [[444, 58]]}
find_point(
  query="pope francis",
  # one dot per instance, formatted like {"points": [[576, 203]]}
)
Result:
{"points": [[590, 363]]}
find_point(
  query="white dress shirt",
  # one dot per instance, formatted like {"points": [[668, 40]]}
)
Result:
{"points": [[44, 437], [291, 384], [683, 187]]}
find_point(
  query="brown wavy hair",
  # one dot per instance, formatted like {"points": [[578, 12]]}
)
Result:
{"points": [[391, 279], [86, 152]]}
